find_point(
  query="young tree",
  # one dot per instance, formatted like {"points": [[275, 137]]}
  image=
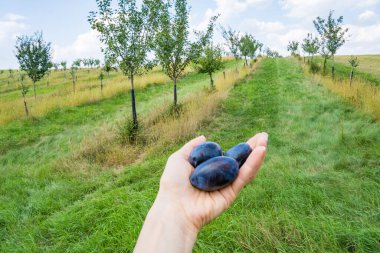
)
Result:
{"points": [[64, 65], [245, 46], [34, 56], [101, 77], [254, 46], [73, 75], [333, 33], [210, 61], [108, 66], [77, 63], [24, 91], [10, 73], [56, 66], [354, 62], [311, 45], [97, 63], [173, 48], [232, 39], [293, 47], [324, 52], [127, 34]]}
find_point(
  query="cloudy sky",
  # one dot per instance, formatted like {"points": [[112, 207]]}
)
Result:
{"points": [[274, 22]]}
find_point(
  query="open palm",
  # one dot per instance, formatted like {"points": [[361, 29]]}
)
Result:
{"points": [[199, 207]]}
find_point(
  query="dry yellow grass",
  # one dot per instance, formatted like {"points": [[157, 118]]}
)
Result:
{"points": [[362, 95], [86, 93]]}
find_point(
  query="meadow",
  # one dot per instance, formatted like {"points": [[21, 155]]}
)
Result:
{"points": [[71, 181]]}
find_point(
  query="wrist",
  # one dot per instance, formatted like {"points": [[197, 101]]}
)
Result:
{"points": [[169, 212], [166, 229]]}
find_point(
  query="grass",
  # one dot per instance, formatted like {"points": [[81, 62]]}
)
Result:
{"points": [[317, 191]]}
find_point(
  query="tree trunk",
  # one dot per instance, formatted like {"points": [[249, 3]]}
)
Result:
{"points": [[175, 91], [26, 107], [134, 114], [224, 75], [74, 85], [246, 61], [101, 86], [34, 89], [351, 76], [324, 65], [332, 69], [211, 81]]}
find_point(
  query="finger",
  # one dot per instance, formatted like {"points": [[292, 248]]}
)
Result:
{"points": [[249, 169], [260, 139], [188, 147]]}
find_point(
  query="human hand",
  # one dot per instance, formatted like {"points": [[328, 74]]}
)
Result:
{"points": [[184, 210], [201, 207]]}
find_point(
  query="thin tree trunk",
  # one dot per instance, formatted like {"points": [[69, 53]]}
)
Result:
{"points": [[74, 85], [224, 75], [324, 65], [34, 89], [175, 91], [101, 86], [26, 107], [333, 69], [246, 61], [351, 76], [134, 114], [211, 81]]}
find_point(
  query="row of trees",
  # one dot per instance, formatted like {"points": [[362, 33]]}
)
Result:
{"points": [[245, 46], [131, 34], [332, 35]]}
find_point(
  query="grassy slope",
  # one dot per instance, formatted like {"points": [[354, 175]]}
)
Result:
{"points": [[367, 70], [318, 190]]}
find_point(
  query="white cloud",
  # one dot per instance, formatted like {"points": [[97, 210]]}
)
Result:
{"points": [[11, 27], [85, 45], [262, 26], [228, 9], [307, 9], [367, 3], [366, 15], [360, 42]]}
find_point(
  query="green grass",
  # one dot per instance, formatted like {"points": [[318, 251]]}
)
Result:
{"points": [[317, 191], [368, 70]]}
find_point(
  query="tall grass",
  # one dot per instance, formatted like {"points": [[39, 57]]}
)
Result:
{"points": [[360, 93]]}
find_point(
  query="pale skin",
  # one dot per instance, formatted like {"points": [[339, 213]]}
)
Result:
{"points": [[180, 210]]}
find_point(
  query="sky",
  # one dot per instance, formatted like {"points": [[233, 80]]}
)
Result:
{"points": [[273, 22]]}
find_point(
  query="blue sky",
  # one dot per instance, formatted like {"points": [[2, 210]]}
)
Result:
{"points": [[64, 23]]}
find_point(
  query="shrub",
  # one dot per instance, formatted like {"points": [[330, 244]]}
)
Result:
{"points": [[127, 131], [314, 67]]}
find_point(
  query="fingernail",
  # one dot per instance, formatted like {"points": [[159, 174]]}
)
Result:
{"points": [[266, 136]]}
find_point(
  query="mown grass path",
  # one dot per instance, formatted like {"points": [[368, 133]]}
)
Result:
{"points": [[317, 191]]}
